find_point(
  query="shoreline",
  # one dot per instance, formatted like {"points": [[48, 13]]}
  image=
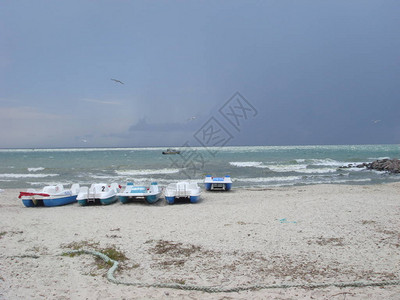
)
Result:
{"points": [[299, 234]]}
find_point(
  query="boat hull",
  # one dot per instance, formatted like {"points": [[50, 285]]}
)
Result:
{"points": [[147, 198], [218, 186], [109, 200], [170, 200], [125, 199], [105, 201], [82, 202], [49, 202], [191, 199], [152, 199], [32, 203], [194, 199], [59, 201]]}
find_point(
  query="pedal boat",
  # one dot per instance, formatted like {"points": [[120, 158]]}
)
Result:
{"points": [[98, 193], [182, 190], [133, 193], [51, 195], [218, 183]]}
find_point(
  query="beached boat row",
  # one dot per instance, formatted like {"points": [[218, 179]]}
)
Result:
{"points": [[101, 193]]}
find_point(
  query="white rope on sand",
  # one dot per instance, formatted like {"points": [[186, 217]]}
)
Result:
{"points": [[213, 289]]}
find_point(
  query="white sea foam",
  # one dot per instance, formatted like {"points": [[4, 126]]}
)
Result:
{"points": [[269, 179], [355, 169], [105, 177], [349, 181], [243, 164], [146, 172], [35, 169], [287, 168], [303, 166], [379, 172], [27, 175], [66, 184], [318, 171], [147, 181], [327, 162]]}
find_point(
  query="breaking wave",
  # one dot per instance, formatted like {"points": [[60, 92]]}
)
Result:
{"points": [[27, 175], [244, 164], [35, 169], [146, 172]]}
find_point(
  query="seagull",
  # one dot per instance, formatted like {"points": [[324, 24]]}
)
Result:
{"points": [[116, 80], [375, 121], [192, 118]]}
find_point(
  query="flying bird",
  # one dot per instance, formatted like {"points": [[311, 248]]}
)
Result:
{"points": [[116, 80], [192, 118], [375, 121]]}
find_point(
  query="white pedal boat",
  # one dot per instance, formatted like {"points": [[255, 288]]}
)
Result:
{"points": [[133, 193], [51, 195], [218, 183], [98, 193], [183, 189]]}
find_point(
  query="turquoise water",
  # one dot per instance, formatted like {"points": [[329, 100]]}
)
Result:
{"points": [[255, 166]]}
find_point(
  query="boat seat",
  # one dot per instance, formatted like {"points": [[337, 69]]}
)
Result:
{"points": [[75, 188], [114, 186], [193, 186], [138, 189], [51, 189]]}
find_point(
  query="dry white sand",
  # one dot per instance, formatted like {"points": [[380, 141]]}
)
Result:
{"points": [[313, 234]]}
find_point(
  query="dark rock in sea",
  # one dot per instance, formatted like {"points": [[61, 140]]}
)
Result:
{"points": [[363, 165], [388, 165]]}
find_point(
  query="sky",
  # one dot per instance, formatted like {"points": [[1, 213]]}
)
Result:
{"points": [[272, 72]]}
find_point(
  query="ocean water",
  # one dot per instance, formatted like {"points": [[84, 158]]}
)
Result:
{"points": [[253, 166]]}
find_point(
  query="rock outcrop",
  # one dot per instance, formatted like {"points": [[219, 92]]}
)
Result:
{"points": [[388, 165]]}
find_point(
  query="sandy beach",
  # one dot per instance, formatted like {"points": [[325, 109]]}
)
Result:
{"points": [[297, 235]]}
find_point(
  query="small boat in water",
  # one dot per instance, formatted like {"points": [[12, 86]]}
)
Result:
{"points": [[133, 193], [218, 183], [98, 193], [171, 151], [183, 189], [51, 195]]}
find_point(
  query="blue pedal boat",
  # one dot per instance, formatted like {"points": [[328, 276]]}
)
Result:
{"points": [[218, 183], [51, 195], [133, 193]]}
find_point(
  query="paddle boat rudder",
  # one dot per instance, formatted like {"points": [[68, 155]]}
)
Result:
{"points": [[132, 193], [51, 195]]}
